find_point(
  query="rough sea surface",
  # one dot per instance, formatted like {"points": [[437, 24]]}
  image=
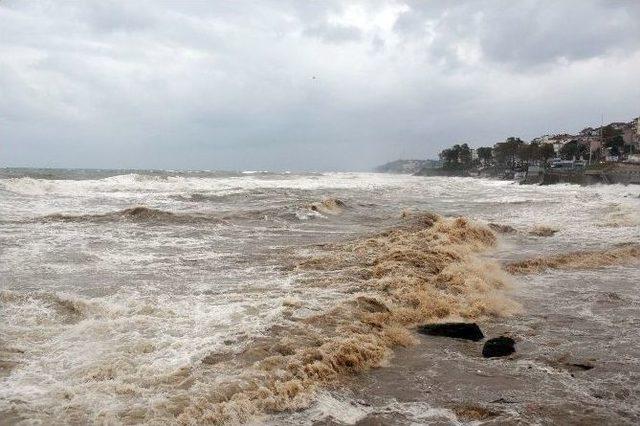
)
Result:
{"points": [[195, 297]]}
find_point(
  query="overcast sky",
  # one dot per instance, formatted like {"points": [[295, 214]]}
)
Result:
{"points": [[303, 85]]}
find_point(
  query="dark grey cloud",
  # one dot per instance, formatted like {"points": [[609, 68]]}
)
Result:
{"points": [[302, 85], [526, 33]]}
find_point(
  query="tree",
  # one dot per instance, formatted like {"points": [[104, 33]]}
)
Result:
{"points": [[458, 157], [609, 132], [534, 151], [547, 151], [485, 154], [465, 157], [615, 145], [573, 150], [450, 157], [523, 152], [506, 152]]}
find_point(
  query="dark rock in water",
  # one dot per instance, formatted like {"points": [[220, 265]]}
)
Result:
{"points": [[457, 330], [500, 346]]}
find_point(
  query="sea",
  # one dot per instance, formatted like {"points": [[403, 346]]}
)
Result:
{"points": [[204, 297]]}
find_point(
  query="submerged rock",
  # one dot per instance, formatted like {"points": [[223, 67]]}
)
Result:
{"points": [[500, 346], [457, 330]]}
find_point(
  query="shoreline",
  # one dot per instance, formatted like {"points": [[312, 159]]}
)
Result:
{"points": [[564, 369], [622, 173]]}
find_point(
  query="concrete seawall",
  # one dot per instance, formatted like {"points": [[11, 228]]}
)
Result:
{"points": [[616, 173], [624, 173]]}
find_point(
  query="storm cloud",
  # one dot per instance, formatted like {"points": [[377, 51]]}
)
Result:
{"points": [[303, 85]]}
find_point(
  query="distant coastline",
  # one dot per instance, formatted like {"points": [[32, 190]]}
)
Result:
{"points": [[408, 166]]}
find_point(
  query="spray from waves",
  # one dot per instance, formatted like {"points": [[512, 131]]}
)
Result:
{"points": [[428, 269], [134, 214], [577, 260]]}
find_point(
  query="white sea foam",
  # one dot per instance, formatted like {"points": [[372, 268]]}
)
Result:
{"points": [[137, 183], [89, 349]]}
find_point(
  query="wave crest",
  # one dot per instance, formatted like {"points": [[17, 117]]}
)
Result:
{"points": [[134, 214], [331, 206], [427, 269], [577, 260], [67, 308], [321, 209]]}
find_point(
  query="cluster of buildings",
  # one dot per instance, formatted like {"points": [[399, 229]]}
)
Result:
{"points": [[595, 139], [623, 168]]}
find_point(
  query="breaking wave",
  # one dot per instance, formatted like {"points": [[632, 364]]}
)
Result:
{"points": [[331, 206], [176, 183], [322, 209], [577, 260], [134, 214], [427, 269], [150, 215], [55, 307]]}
